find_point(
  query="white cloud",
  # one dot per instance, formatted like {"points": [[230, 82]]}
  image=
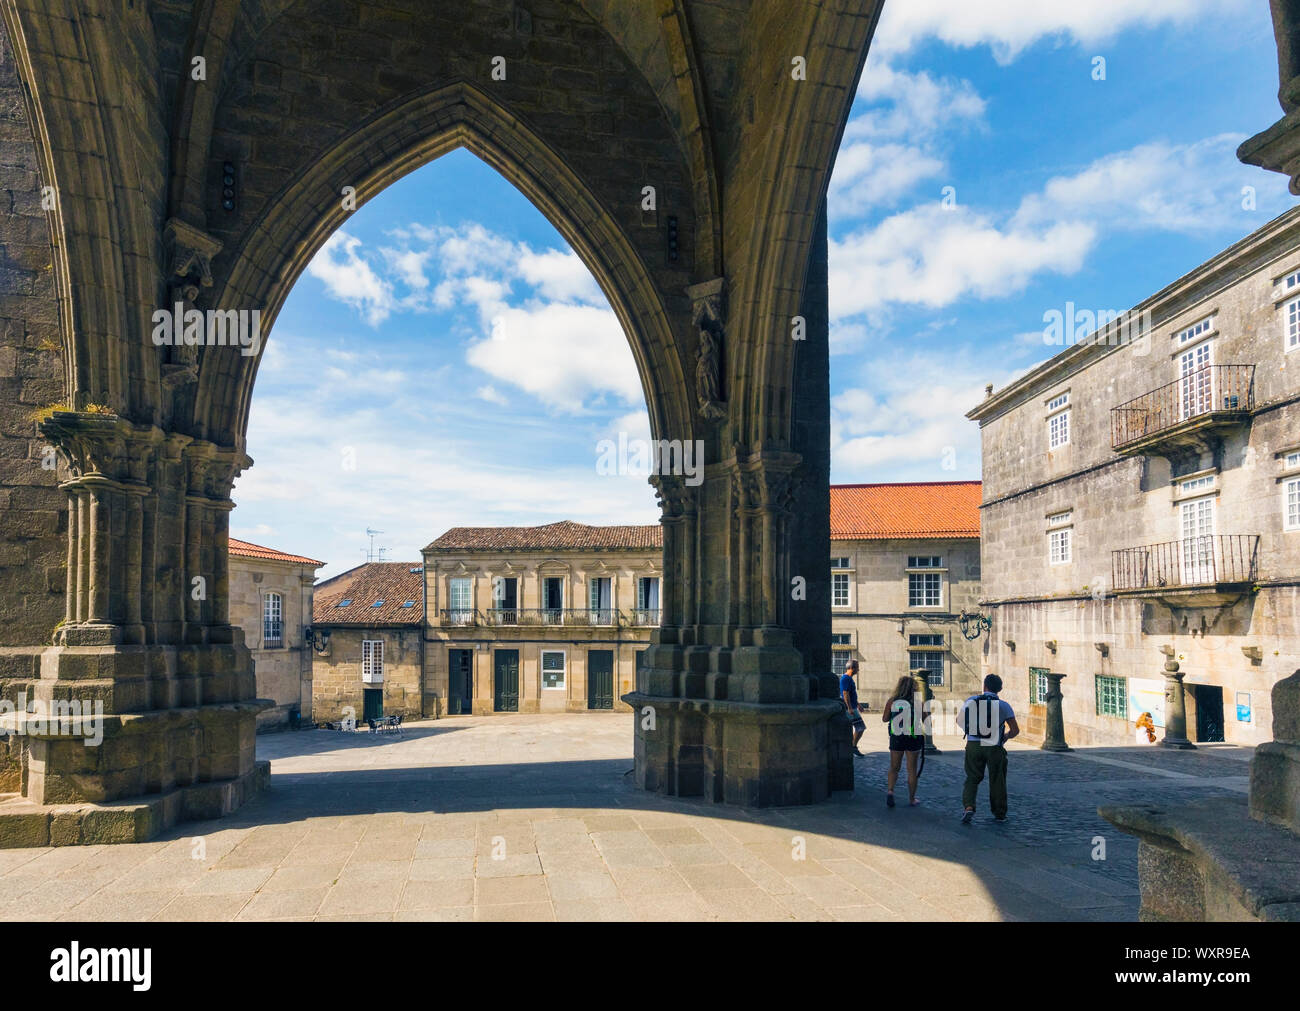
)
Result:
{"points": [[559, 275], [1172, 187], [350, 278], [562, 354], [906, 421], [876, 175], [934, 256], [1009, 26], [491, 395], [409, 266], [910, 104], [552, 333]]}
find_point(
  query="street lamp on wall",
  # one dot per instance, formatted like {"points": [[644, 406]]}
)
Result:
{"points": [[317, 638]]}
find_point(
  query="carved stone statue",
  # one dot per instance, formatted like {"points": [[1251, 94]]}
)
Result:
{"points": [[708, 316], [189, 262]]}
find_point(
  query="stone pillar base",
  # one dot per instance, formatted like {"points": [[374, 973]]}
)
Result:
{"points": [[1207, 861], [753, 754], [100, 759], [1275, 784], [23, 823]]}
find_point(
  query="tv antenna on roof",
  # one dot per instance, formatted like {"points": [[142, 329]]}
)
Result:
{"points": [[370, 555]]}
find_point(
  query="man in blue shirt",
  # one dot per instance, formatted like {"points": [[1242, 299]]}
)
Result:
{"points": [[849, 695], [988, 724]]}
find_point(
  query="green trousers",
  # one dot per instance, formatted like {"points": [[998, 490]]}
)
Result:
{"points": [[978, 758]]}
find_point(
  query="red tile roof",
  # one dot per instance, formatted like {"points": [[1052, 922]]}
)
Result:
{"points": [[394, 583], [244, 549], [920, 509], [561, 536]]}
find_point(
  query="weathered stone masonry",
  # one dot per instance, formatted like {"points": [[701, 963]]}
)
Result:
{"points": [[200, 151]]}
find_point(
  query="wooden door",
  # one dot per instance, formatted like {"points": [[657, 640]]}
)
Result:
{"points": [[505, 681], [460, 692], [600, 679]]}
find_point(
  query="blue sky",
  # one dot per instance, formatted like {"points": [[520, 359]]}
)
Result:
{"points": [[447, 360]]}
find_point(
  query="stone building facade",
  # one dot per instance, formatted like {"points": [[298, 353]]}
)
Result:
{"points": [[271, 600], [905, 565], [368, 643], [539, 619], [1141, 513]]}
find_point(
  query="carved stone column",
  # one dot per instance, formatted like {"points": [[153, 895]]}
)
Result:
{"points": [[160, 721], [726, 709], [1175, 709], [1054, 735]]}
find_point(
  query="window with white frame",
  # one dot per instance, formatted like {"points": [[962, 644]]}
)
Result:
{"points": [[1292, 331], [1037, 686], [272, 623], [1058, 420], [372, 661], [1060, 538], [925, 589], [1291, 460], [1195, 484], [841, 652], [1291, 503], [460, 596], [600, 598], [553, 669], [840, 589], [1058, 429], [842, 562], [647, 600], [925, 561], [928, 662], [1195, 330]]}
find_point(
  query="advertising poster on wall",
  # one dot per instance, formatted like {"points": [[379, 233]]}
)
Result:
{"points": [[1147, 695]]}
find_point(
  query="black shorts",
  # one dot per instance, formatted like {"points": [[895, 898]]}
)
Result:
{"points": [[906, 742]]}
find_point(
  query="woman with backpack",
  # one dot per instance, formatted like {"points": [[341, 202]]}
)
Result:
{"points": [[904, 720]]}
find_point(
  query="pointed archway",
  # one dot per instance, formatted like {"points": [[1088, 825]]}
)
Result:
{"points": [[209, 170]]}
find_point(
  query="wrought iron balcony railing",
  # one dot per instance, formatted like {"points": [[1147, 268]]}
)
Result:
{"points": [[1193, 561], [590, 617], [1213, 394], [458, 616]]}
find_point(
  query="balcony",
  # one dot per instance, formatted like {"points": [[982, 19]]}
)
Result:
{"points": [[1210, 570], [1184, 415], [458, 616], [565, 617]]}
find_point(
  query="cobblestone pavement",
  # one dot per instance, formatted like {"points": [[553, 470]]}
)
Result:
{"points": [[537, 818]]}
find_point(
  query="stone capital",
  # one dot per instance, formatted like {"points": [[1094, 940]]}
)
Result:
{"points": [[189, 257], [676, 497]]}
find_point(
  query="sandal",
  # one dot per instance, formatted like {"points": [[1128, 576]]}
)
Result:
{"points": [[889, 800]]}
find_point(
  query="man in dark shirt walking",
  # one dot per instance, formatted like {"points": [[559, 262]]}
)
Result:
{"points": [[987, 723], [849, 695]]}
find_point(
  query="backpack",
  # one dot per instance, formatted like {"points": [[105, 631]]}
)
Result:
{"points": [[977, 716]]}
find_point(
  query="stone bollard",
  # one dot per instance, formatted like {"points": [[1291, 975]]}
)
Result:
{"points": [[1275, 769], [1054, 737], [1176, 710], [926, 695]]}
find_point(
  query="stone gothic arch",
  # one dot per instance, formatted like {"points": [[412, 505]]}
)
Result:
{"points": [[118, 554], [399, 141]]}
